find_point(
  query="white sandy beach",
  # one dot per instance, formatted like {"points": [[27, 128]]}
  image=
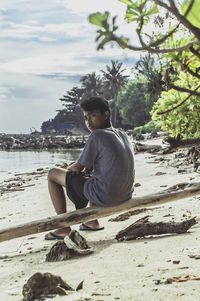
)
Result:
{"points": [[131, 270]]}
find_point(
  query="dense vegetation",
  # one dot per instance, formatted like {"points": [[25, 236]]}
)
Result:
{"points": [[175, 39], [131, 99]]}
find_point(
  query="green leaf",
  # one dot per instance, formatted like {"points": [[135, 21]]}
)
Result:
{"points": [[99, 19], [153, 10], [127, 2], [194, 14]]}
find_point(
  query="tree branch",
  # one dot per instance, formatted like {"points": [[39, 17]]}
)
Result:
{"points": [[189, 8], [181, 89], [180, 104], [123, 44], [190, 71], [195, 52], [161, 40], [195, 30]]}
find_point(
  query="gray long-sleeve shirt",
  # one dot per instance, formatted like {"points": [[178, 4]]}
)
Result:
{"points": [[110, 154]]}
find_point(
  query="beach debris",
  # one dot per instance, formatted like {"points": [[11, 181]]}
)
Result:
{"points": [[40, 141], [160, 173], [193, 155], [73, 245], [140, 147], [80, 286], [143, 227], [44, 285], [176, 261], [139, 136], [19, 182], [183, 278]]}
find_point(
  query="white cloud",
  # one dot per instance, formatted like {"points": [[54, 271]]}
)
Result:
{"points": [[90, 6], [31, 31], [46, 38]]}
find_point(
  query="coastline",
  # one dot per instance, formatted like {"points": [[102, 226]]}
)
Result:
{"points": [[130, 270]]}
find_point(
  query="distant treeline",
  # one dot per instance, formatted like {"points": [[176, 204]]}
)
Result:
{"points": [[131, 97]]}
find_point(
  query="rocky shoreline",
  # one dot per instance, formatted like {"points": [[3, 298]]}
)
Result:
{"points": [[40, 141]]}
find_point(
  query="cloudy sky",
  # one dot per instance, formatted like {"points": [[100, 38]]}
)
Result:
{"points": [[45, 48]]}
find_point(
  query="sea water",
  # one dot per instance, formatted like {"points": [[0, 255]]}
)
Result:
{"points": [[12, 162]]}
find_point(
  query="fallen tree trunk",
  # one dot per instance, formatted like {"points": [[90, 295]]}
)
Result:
{"points": [[177, 142], [176, 192], [143, 227]]}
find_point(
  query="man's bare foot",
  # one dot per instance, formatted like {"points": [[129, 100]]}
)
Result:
{"points": [[58, 234]]}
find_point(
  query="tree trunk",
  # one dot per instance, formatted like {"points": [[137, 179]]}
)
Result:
{"points": [[179, 191]]}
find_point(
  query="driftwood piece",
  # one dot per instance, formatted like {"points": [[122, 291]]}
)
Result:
{"points": [[177, 192], [46, 284], [193, 155], [73, 245], [140, 147], [143, 227]]}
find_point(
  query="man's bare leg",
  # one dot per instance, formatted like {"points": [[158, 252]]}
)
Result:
{"points": [[56, 182]]}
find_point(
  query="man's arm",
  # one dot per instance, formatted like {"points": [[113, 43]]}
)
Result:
{"points": [[76, 167]]}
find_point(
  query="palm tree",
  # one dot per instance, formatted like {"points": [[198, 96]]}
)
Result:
{"points": [[91, 85], [148, 68], [114, 80]]}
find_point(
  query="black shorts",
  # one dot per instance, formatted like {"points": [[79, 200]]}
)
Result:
{"points": [[74, 188]]}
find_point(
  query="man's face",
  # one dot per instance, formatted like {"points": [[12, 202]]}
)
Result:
{"points": [[95, 119]]}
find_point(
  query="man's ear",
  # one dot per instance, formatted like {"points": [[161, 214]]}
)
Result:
{"points": [[106, 115]]}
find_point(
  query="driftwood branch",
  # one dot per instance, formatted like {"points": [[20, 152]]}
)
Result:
{"points": [[177, 142], [144, 227], [140, 147], [179, 191]]}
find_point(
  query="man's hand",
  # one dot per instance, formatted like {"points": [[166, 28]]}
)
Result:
{"points": [[76, 168]]}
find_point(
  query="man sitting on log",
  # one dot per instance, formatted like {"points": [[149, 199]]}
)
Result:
{"points": [[108, 152]]}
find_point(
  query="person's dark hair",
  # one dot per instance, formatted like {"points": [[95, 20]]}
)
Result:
{"points": [[95, 103]]}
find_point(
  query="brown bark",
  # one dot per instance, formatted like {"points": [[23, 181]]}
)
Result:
{"points": [[143, 227]]}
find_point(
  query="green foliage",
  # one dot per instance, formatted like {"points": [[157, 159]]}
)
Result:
{"points": [[147, 128], [132, 105], [106, 31], [180, 58], [185, 120], [151, 125], [194, 14], [139, 11]]}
